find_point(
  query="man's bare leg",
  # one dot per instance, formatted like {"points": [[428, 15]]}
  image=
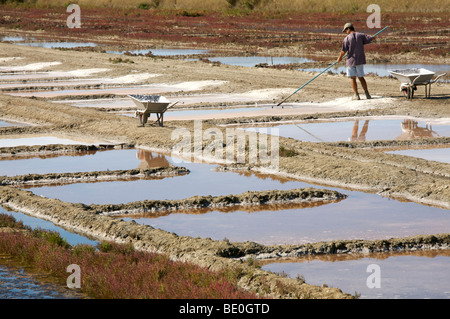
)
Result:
{"points": [[355, 87], [364, 85]]}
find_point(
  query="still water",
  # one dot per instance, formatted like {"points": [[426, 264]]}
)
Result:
{"points": [[11, 124], [250, 61], [34, 222], [18, 282], [162, 52], [361, 130], [435, 154], [377, 276]]}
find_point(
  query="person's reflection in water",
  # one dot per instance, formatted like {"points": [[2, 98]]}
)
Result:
{"points": [[149, 159], [362, 135]]}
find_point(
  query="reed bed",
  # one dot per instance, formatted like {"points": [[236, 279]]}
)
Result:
{"points": [[116, 271]]}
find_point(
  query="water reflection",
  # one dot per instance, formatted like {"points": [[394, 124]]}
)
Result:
{"points": [[349, 130], [412, 130], [231, 209], [250, 61], [121, 159], [161, 52], [149, 159], [360, 216], [362, 135]]}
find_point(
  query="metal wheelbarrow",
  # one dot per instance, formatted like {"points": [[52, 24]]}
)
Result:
{"points": [[411, 78], [148, 104]]}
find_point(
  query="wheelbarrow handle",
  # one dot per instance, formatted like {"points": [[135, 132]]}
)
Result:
{"points": [[414, 81], [436, 78], [173, 104]]}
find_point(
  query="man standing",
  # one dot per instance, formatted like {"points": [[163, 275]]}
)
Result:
{"points": [[353, 45]]}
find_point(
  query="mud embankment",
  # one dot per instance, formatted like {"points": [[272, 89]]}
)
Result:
{"points": [[94, 176], [413, 243], [395, 144], [251, 198], [54, 149]]}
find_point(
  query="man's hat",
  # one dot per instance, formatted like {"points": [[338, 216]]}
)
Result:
{"points": [[347, 25]]}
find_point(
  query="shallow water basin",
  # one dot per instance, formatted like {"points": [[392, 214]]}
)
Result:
{"points": [[435, 154], [57, 45], [37, 223], [11, 123], [20, 283], [360, 216], [162, 52], [361, 130], [251, 61], [82, 162], [414, 275], [50, 75]]}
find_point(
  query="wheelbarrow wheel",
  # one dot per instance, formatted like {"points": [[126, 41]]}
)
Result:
{"points": [[405, 92], [408, 92]]}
